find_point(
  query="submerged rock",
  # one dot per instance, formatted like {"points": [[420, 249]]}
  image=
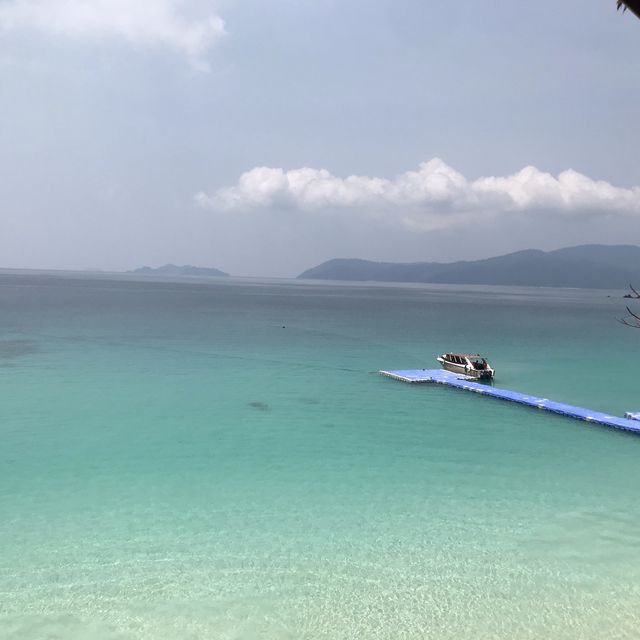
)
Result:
{"points": [[259, 405]]}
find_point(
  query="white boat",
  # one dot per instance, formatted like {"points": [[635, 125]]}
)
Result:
{"points": [[474, 366]]}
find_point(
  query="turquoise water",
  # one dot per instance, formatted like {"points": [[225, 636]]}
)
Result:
{"points": [[186, 460]]}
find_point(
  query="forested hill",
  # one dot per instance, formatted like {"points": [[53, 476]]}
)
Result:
{"points": [[585, 266]]}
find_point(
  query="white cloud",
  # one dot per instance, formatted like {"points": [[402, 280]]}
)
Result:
{"points": [[150, 23], [433, 196]]}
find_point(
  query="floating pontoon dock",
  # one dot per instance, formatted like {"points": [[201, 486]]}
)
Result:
{"points": [[440, 376]]}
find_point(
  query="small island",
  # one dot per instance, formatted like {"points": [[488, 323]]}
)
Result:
{"points": [[177, 270]]}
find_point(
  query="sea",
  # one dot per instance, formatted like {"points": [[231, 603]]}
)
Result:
{"points": [[204, 459]]}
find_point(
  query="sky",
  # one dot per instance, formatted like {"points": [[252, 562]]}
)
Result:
{"points": [[263, 137]]}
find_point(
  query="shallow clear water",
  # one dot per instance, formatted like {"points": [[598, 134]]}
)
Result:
{"points": [[185, 460]]}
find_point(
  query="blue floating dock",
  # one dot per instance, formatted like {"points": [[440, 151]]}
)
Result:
{"points": [[440, 376]]}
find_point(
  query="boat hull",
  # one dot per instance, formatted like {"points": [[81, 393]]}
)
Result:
{"points": [[482, 374]]}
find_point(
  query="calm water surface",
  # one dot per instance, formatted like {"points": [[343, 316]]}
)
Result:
{"points": [[219, 459]]}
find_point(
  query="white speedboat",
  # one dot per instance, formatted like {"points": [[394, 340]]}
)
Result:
{"points": [[474, 366]]}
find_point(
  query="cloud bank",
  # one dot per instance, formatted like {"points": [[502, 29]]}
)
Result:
{"points": [[176, 24], [431, 197]]}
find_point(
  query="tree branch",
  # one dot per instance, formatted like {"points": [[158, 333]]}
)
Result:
{"points": [[632, 5]]}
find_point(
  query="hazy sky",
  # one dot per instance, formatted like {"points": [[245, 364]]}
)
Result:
{"points": [[265, 136]]}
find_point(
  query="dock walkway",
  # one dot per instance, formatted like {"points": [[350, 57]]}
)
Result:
{"points": [[440, 376]]}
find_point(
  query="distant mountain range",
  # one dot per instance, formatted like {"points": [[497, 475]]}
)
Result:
{"points": [[175, 270], [586, 266]]}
